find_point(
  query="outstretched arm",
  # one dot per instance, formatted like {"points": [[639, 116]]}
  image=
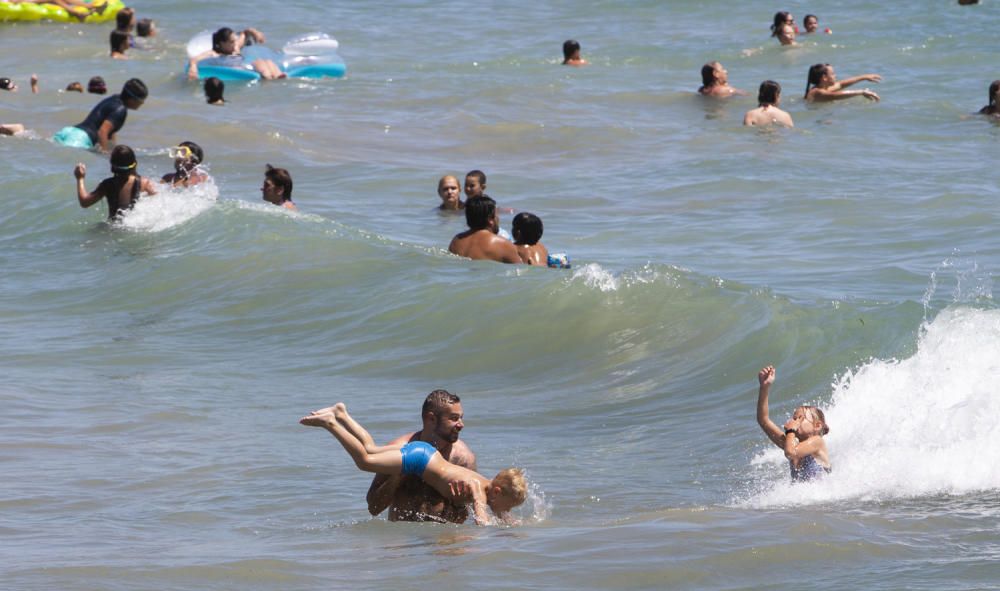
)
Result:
{"points": [[855, 79], [86, 199], [827, 95], [773, 432]]}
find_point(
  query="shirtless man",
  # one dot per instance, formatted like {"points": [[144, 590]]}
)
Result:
{"points": [[480, 241], [768, 112], [408, 497]]}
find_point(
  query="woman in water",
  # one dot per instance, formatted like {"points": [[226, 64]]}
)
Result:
{"points": [[823, 86], [993, 108], [715, 82], [802, 437], [227, 44], [784, 28]]}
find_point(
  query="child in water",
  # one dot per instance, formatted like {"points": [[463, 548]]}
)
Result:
{"points": [[526, 228], [506, 491], [121, 190], [802, 437]]}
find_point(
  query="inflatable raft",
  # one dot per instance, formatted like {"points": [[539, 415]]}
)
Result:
{"points": [[20, 11], [310, 56]]}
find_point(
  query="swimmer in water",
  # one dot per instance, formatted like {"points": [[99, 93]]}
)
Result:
{"points": [[225, 43], [277, 187], [768, 113], [214, 88], [526, 228], [715, 82], [784, 28], [571, 54], [100, 127], [119, 45], [450, 193], [822, 85], [188, 157], [460, 485], [993, 107], [480, 241], [121, 190], [811, 23], [802, 437]]}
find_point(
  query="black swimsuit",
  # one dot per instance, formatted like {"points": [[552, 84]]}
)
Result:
{"points": [[112, 193]]}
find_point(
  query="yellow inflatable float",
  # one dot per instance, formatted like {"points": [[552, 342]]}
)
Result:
{"points": [[66, 11]]}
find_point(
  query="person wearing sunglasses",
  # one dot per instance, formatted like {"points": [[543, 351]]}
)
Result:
{"points": [[188, 157]]}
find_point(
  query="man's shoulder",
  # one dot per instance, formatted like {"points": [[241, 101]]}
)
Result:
{"points": [[461, 455], [405, 438]]}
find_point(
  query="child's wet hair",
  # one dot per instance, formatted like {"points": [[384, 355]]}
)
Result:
{"points": [[512, 484], [527, 228], [818, 414]]}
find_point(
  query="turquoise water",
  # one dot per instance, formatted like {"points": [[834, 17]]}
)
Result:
{"points": [[154, 371]]}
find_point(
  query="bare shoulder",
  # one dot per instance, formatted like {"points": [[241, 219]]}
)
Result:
{"points": [[462, 455]]}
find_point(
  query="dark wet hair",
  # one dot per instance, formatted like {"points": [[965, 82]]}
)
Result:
{"points": [[123, 20], [479, 211], [136, 89], [281, 178], [214, 89], [816, 72], [994, 87], [219, 37], [768, 93], [96, 85], [779, 20], [74, 87], [570, 47], [708, 74], [196, 151], [119, 41], [809, 16], [144, 27], [526, 228], [479, 175], [437, 400]]}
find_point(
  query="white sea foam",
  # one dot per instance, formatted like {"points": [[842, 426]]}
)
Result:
{"points": [[170, 207], [915, 427]]}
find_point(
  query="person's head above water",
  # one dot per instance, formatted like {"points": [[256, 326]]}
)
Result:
{"points": [[96, 85], [224, 41], [123, 162], [74, 87], [811, 23], [507, 490], [481, 213], [713, 74], [475, 184], [277, 185], [526, 228], [145, 28], [812, 421], [119, 42], [769, 93], [571, 50], [780, 20], [450, 192], [189, 158], [134, 93], [441, 415], [994, 93], [820, 73], [214, 89], [125, 19]]}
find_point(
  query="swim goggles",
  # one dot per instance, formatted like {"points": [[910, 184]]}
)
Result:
{"points": [[182, 152]]}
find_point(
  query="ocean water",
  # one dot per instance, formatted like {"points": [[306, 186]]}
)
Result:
{"points": [[154, 369]]}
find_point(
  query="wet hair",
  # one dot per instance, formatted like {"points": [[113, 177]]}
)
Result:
{"points": [[768, 93], [437, 400], [96, 85], [818, 413], [214, 89], [512, 484], [281, 178], [708, 74], [123, 167], [196, 151], [144, 27], [123, 20], [816, 72], [526, 228], [219, 37], [809, 16], [136, 89], [479, 175], [6, 84], [479, 211], [74, 87], [119, 41], [779, 21], [570, 47], [994, 87]]}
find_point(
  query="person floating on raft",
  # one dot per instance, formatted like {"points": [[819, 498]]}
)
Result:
{"points": [[78, 9], [226, 45]]}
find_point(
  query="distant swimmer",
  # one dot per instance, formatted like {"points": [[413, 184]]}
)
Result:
{"points": [[188, 157], [811, 23], [571, 54], [407, 497], [121, 190], [146, 28], [784, 28], [214, 88], [802, 437], [480, 241], [505, 491], [715, 82], [99, 128], [823, 86], [450, 193], [526, 228], [768, 113], [277, 187], [96, 85], [74, 87], [993, 107], [11, 128], [227, 44], [119, 45], [8, 85]]}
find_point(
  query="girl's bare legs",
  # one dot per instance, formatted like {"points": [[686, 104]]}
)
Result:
{"points": [[381, 460]]}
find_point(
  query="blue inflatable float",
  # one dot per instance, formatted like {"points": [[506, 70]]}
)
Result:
{"points": [[313, 55]]}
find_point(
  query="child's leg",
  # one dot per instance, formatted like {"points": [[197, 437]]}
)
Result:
{"points": [[384, 461], [345, 419]]}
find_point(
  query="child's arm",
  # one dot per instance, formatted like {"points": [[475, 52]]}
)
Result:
{"points": [[86, 199], [795, 450], [148, 186], [480, 509], [773, 432]]}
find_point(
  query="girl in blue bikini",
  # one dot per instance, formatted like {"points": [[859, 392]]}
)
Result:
{"points": [[802, 437]]}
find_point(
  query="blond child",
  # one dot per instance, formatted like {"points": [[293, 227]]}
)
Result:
{"points": [[802, 437], [506, 491]]}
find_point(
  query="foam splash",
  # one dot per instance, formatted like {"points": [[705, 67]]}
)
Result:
{"points": [[917, 427], [170, 207], [597, 277]]}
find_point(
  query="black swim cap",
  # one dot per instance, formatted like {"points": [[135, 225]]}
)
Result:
{"points": [[135, 88]]}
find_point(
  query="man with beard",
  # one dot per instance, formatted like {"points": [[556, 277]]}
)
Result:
{"points": [[408, 497]]}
